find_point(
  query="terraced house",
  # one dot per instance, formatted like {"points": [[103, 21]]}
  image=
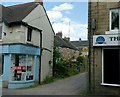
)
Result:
{"points": [[67, 50], [104, 39], [26, 44]]}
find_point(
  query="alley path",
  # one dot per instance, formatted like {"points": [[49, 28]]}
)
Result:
{"points": [[70, 86]]}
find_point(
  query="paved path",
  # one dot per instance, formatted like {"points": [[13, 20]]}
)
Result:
{"points": [[70, 86]]}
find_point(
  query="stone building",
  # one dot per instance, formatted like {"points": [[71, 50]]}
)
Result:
{"points": [[26, 44], [104, 48], [82, 46], [67, 50]]}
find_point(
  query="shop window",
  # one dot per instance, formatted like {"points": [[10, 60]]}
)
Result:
{"points": [[111, 66], [30, 62], [29, 34], [0, 32], [22, 67], [114, 19]]}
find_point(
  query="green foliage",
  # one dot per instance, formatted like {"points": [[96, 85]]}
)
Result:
{"points": [[56, 55], [73, 71], [80, 60], [48, 80], [61, 69], [65, 68]]}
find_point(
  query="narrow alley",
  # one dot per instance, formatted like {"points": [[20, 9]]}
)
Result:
{"points": [[75, 85]]}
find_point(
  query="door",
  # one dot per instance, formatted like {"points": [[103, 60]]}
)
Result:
{"points": [[111, 66]]}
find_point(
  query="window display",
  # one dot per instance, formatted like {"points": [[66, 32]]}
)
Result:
{"points": [[30, 63], [22, 67]]}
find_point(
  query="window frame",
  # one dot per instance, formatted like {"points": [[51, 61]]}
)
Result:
{"points": [[102, 81], [26, 65], [29, 34], [110, 19]]}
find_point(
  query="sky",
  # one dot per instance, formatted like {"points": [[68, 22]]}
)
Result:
{"points": [[69, 17]]}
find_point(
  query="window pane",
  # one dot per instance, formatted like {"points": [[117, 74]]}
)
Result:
{"points": [[29, 34], [18, 67], [22, 67], [30, 63], [114, 20]]}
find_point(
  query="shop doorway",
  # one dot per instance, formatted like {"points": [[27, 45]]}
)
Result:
{"points": [[111, 66]]}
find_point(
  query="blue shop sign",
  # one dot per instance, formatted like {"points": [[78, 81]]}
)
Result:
{"points": [[100, 40]]}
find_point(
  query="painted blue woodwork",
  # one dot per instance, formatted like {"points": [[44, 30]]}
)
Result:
{"points": [[17, 84], [36, 67], [7, 50], [19, 49], [6, 71]]}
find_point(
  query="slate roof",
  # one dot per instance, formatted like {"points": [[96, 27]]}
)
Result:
{"points": [[64, 43], [80, 43], [16, 13]]}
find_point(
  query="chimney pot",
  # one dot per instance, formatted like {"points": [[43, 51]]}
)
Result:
{"points": [[59, 34], [39, 1], [67, 38]]}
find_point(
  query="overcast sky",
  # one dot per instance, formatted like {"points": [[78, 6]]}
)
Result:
{"points": [[69, 17]]}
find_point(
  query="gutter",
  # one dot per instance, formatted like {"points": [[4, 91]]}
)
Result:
{"points": [[40, 57]]}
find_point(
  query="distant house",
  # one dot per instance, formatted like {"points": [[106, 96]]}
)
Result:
{"points": [[82, 46], [66, 48], [26, 44]]}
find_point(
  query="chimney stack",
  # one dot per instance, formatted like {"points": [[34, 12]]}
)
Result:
{"points": [[79, 39], [39, 1], [59, 34], [67, 38]]}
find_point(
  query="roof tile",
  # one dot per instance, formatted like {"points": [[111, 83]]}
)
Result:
{"points": [[16, 13]]}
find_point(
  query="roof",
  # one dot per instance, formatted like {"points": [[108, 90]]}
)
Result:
{"points": [[64, 43], [60, 42], [16, 13], [80, 43]]}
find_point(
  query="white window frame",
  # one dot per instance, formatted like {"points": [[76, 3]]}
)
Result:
{"points": [[110, 19], [102, 83]]}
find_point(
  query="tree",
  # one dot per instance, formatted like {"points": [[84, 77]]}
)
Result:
{"points": [[80, 60], [56, 56]]}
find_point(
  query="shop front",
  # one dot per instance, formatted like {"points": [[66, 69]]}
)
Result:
{"points": [[20, 65], [110, 49]]}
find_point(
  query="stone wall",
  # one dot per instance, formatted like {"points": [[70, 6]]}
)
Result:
{"points": [[100, 12]]}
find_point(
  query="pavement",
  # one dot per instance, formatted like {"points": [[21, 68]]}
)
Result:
{"points": [[74, 85]]}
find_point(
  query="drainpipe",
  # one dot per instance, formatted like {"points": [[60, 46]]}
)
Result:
{"points": [[40, 57]]}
